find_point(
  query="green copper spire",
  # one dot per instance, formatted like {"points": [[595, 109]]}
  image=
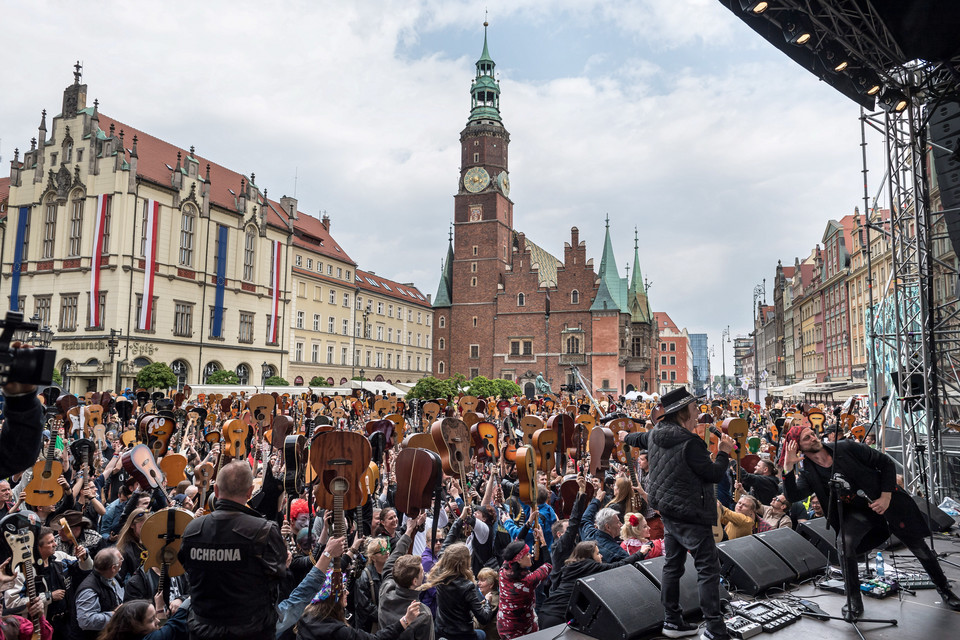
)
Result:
{"points": [[485, 89], [612, 286], [445, 290], [637, 296]]}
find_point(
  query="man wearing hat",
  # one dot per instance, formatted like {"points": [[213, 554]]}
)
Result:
{"points": [[682, 479], [82, 530]]}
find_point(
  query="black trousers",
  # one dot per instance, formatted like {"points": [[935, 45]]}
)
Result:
{"points": [[856, 525], [678, 539]]}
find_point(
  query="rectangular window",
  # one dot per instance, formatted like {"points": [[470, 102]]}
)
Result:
{"points": [[298, 352], [389, 310], [339, 272], [418, 340], [315, 353], [409, 338], [346, 299], [380, 308], [346, 327], [298, 260], [216, 249], [379, 333], [329, 354], [310, 264], [153, 316], [389, 361], [419, 318], [357, 330], [186, 238], [474, 351], [673, 360], [246, 327], [76, 227], [301, 289], [673, 375], [389, 334], [267, 337], [343, 355], [329, 269], [663, 360], [673, 346], [299, 319], [249, 248], [102, 312], [348, 275], [379, 360], [182, 319], [368, 359], [316, 293], [409, 361], [528, 347], [330, 327], [316, 322], [68, 312], [514, 347], [49, 230], [333, 296]]}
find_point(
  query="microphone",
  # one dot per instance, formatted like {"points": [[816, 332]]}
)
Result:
{"points": [[715, 431], [862, 494]]}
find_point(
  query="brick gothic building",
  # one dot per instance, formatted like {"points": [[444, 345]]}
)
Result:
{"points": [[507, 308]]}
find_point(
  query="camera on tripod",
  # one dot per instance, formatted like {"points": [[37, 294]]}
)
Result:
{"points": [[27, 365]]}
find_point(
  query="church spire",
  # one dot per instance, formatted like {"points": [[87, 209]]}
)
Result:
{"points": [[444, 297], [612, 293], [485, 89], [637, 296]]}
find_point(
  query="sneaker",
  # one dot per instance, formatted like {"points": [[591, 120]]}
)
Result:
{"points": [[681, 630], [706, 635]]}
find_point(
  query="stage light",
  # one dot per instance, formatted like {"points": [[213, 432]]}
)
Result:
{"points": [[866, 81], [797, 28], [754, 6], [893, 100], [834, 57]]}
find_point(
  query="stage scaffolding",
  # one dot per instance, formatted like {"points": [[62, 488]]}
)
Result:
{"points": [[913, 329]]}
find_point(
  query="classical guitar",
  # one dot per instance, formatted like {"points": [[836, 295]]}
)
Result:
{"points": [[43, 490], [161, 536], [19, 535], [453, 441]]}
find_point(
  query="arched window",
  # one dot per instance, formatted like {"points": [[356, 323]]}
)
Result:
{"points": [[141, 362], [574, 297], [243, 373], [249, 253], [440, 367], [209, 370], [179, 368], [443, 321], [187, 222], [441, 345], [521, 300], [76, 224], [573, 344]]}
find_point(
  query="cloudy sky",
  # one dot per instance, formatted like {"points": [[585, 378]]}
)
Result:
{"points": [[671, 116]]}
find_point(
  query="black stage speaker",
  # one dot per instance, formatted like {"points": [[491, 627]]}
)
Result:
{"points": [[751, 567], [939, 521], [945, 136], [620, 604], [825, 540], [689, 593], [799, 553]]}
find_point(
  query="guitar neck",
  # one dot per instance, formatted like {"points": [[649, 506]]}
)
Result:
{"points": [[31, 583], [339, 530]]}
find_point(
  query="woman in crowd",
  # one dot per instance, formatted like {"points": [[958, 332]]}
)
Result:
{"points": [[388, 527], [129, 543], [742, 521], [458, 599], [325, 619], [518, 585], [635, 533], [584, 561], [622, 501], [137, 620], [367, 592]]}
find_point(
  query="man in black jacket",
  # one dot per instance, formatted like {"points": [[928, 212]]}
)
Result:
{"points": [[682, 479], [867, 523], [234, 559]]}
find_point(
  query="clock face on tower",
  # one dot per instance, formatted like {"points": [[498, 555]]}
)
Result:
{"points": [[476, 179], [504, 181]]}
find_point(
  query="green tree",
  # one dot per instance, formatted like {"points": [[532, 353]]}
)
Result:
{"points": [[429, 388], [223, 376], [318, 381], [57, 378], [459, 381], [359, 379], [275, 381], [156, 376], [482, 387], [506, 388]]}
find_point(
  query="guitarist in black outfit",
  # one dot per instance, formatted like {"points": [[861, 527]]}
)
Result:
{"points": [[866, 522]]}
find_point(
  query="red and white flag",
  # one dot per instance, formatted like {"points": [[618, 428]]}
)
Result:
{"points": [[103, 203], [150, 265], [275, 308]]}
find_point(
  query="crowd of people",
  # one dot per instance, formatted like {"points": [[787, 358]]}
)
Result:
{"points": [[491, 566]]}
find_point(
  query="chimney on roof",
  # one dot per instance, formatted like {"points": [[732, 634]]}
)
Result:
{"points": [[289, 206], [325, 221]]}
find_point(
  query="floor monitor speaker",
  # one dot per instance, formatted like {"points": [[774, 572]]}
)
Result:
{"points": [[822, 538], [799, 553], [689, 592], [620, 604], [752, 567]]}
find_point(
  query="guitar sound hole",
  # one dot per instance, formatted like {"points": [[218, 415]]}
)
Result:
{"points": [[339, 486]]}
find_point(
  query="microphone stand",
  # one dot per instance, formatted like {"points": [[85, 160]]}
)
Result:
{"points": [[837, 483]]}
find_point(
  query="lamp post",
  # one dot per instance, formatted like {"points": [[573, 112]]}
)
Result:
{"points": [[361, 374], [66, 383], [114, 343], [759, 292], [264, 374], [723, 358]]}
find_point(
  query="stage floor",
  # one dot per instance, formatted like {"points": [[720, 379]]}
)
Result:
{"points": [[919, 617]]}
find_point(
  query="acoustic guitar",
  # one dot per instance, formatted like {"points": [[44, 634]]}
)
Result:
{"points": [[43, 490], [141, 465], [453, 442], [162, 536], [527, 476]]}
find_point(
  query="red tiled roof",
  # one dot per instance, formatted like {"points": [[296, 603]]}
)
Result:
{"points": [[154, 155], [787, 271], [384, 287], [664, 320]]}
